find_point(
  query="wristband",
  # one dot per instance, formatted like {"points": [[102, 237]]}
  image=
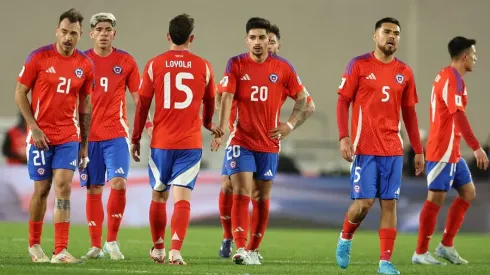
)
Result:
{"points": [[148, 124], [290, 125]]}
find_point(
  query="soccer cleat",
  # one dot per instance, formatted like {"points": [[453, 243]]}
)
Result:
{"points": [[112, 248], [261, 259], [450, 254], [94, 253], [241, 257], [426, 258], [157, 255], [37, 254], [64, 258], [387, 268], [174, 258], [225, 249], [254, 257], [343, 252]]}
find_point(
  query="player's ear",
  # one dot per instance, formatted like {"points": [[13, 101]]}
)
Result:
{"points": [[191, 38], [168, 37], [115, 33]]}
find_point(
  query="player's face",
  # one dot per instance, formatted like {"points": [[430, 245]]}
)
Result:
{"points": [[387, 38], [68, 34], [273, 44], [257, 41], [103, 34], [470, 59]]}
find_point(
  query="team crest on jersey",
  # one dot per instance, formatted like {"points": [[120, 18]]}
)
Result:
{"points": [[232, 164], [40, 171], [399, 78], [78, 73], [273, 78], [117, 70], [83, 176]]}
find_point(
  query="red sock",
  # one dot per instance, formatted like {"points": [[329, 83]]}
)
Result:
{"points": [[387, 238], [95, 218], [180, 222], [158, 221], [240, 219], [455, 218], [260, 217], [115, 212], [349, 228], [225, 204], [35, 231], [61, 233], [427, 226]]}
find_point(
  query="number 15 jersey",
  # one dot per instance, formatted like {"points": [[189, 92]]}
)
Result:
{"points": [[180, 81], [258, 90]]}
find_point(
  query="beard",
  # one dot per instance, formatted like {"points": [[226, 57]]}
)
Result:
{"points": [[387, 50]]}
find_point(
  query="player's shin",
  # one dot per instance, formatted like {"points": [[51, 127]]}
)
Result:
{"points": [[427, 226], [61, 223], [225, 205], [387, 231], [158, 218], [180, 222], [240, 218], [260, 218], [37, 209], [115, 207], [454, 220], [95, 215], [354, 216]]}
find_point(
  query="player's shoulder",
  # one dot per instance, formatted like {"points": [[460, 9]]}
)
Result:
{"points": [[358, 61], [282, 61], [118, 53], [403, 65], [85, 58], [40, 52], [236, 60]]}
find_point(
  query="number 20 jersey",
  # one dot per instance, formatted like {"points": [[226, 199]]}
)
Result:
{"points": [[258, 89], [378, 91]]}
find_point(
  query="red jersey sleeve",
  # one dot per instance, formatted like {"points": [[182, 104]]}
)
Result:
{"points": [[210, 92], [229, 82], [409, 97], [350, 80], [134, 79], [308, 96], [89, 83], [455, 93], [28, 74], [147, 89], [293, 83]]}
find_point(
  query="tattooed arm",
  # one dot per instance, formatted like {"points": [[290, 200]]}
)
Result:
{"points": [[85, 116], [309, 109], [298, 109]]}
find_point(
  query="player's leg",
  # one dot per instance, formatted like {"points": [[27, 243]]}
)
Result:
{"points": [[439, 177], [39, 167], [65, 161], [390, 177], [225, 204], [364, 177], [240, 165], [93, 178], [466, 190], [160, 169], [116, 157]]}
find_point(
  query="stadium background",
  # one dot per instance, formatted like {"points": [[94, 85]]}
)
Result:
{"points": [[319, 37]]}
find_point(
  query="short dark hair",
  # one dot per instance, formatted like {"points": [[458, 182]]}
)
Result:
{"points": [[386, 20], [458, 45], [258, 23], [180, 28], [73, 15], [275, 30]]}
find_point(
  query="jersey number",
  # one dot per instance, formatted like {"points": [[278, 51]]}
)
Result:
{"points": [[104, 82], [64, 85], [233, 151], [385, 90], [181, 87], [433, 104], [342, 83], [259, 93], [37, 155]]}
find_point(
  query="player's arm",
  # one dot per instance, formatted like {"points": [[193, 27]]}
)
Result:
{"points": [[85, 107], [148, 124], [409, 100], [309, 109], [228, 87], [217, 99], [134, 83]]}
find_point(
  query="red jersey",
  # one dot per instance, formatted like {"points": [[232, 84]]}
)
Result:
{"points": [[180, 81], [448, 96], [56, 82], [114, 73], [378, 91], [259, 91]]}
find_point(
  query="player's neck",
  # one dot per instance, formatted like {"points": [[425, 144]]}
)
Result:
{"points": [[259, 59], [62, 53], [459, 67], [184, 47], [103, 52], [383, 57]]}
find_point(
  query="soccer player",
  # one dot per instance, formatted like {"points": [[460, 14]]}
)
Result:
{"points": [[60, 77], [180, 81], [445, 166], [378, 85], [109, 135], [226, 194], [257, 82]]}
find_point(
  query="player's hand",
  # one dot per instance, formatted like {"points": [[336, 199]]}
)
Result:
{"points": [[346, 149], [135, 151], [216, 143], [419, 161], [41, 141], [215, 130], [280, 132], [481, 159], [83, 159], [149, 131]]}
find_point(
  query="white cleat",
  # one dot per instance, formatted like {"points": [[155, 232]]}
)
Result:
{"points": [[450, 254], [94, 253], [174, 258], [254, 257], [37, 254], [158, 255], [241, 257], [112, 248], [64, 258], [261, 259], [426, 258]]}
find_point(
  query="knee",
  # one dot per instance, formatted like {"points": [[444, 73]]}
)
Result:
{"points": [[63, 188], [118, 183], [364, 205], [469, 196], [42, 192], [226, 186], [159, 196], [95, 189]]}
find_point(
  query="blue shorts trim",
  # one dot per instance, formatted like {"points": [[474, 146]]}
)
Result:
{"points": [[376, 177], [174, 167], [444, 175], [238, 159], [41, 164], [108, 158]]}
